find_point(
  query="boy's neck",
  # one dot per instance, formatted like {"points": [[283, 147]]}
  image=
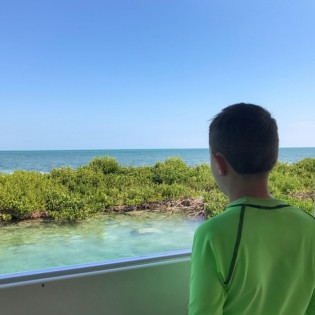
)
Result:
{"points": [[249, 186]]}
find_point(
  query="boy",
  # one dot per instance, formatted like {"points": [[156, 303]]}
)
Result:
{"points": [[258, 256]]}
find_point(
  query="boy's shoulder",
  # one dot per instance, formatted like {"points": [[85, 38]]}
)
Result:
{"points": [[226, 223], [222, 224]]}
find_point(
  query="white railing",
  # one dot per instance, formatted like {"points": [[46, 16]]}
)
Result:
{"points": [[152, 284]]}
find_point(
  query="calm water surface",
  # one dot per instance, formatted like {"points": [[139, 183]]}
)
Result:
{"points": [[44, 244]]}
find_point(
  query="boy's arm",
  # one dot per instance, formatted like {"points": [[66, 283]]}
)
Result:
{"points": [[207, 294], [311, 308]]}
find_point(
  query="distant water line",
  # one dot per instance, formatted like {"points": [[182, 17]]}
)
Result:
{"points": [[44, 161]]}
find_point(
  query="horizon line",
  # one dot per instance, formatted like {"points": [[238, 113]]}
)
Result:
{"points": [[206, 148]]}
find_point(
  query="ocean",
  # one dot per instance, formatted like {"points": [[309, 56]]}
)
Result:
{"points": [[31, 245], [44, 161]]}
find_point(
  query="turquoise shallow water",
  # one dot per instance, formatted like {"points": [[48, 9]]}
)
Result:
{"points": [[44, 161], [44, 244]]}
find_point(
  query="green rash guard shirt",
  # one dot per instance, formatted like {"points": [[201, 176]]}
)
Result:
{"points": [[255, 258]]}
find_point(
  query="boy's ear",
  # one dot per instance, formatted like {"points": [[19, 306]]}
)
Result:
{"points": [[221, 163]]}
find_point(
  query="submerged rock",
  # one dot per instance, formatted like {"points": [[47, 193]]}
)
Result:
{"points": [[148, 230]]}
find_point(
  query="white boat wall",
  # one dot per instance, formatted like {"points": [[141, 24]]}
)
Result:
{"points": [[153, 284]]}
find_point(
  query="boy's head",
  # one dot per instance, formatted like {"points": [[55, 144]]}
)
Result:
{"points": [[247, 136]]}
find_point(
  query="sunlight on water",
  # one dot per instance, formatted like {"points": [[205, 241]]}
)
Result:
{"points": [[44, 244]]}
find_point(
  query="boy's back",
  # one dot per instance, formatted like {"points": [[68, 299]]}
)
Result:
{"points": [[258, 257], [272, 271]]}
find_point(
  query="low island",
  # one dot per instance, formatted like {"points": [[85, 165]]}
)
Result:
{"points": [[105, 186]]}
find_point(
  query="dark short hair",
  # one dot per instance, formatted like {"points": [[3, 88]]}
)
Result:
{"points": [[247, 136]]}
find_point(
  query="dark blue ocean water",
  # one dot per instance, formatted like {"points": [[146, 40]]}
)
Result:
{"points": [[44, 161]]}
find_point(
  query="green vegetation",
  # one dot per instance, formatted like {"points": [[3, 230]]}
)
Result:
{"points": [[68, 194]]}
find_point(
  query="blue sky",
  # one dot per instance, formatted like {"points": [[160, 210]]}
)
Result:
{"points": [[150, 74]]}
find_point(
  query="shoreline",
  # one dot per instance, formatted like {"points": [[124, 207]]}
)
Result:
{"points": [[192, 206]]}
